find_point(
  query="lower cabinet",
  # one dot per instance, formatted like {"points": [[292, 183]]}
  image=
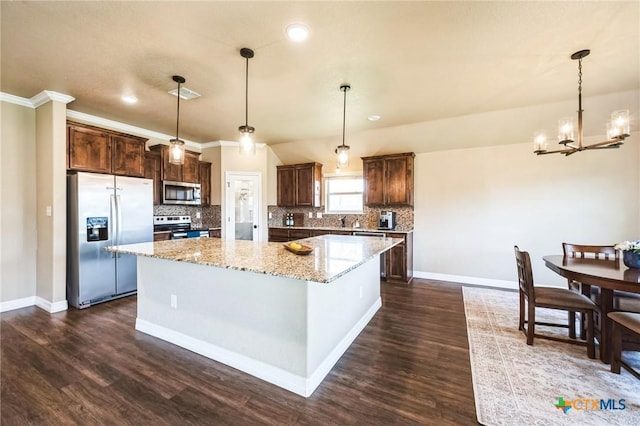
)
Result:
{"points": [[215, 233], [278, 235], [399, 259], [162, 236]]}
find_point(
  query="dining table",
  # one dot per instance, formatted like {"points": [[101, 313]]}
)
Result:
{"points": [[609, 275]]}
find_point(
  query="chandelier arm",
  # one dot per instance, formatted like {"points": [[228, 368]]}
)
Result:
{"points": [[604, 144], [557, 151]]}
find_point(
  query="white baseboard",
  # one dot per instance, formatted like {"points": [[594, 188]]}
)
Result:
{"points": [[292, 382], [485, 282], [51, 307], [10, 305]]}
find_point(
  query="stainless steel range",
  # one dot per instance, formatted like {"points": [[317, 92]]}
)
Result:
{"points": [[180, 227]]}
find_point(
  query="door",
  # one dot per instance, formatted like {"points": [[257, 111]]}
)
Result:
{"points": [[95, 229], [243, 206], [134, 224]]}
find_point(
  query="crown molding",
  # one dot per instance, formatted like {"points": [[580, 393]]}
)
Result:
{"points": [[230, 143], [37, 100], [126, 128]]}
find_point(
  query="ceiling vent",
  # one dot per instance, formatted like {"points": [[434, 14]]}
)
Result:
{"points": [[185, 93]]}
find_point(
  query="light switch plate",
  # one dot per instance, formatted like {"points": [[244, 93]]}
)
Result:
{"points": [[319, 215], [310, 215]]}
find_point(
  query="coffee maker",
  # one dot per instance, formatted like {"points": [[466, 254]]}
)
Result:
{"points": [[387, 220]]}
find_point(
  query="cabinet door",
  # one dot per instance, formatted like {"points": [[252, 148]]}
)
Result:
{"points": [[278, 235], [128, 156], [215, 233], [297, 234], [190, 169], [373, 173], [286, 186], [399, 181], [153, 170], [205, 182], [170, 171], [88, 149], [396, 263], [304, 185]]}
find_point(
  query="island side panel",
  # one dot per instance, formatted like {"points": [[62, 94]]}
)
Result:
{"points": [[337, 313], [255, 316]]}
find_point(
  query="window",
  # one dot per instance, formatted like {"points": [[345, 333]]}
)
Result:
{"points": [[344, 194]]}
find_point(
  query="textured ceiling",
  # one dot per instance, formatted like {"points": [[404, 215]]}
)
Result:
{"points": [[408, 62]]}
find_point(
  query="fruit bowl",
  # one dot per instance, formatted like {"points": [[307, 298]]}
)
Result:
{"points": [[298, 248]]}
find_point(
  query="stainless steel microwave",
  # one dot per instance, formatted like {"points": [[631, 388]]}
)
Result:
{"points": [[180, 193]]}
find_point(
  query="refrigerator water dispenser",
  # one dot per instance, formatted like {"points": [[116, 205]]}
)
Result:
{"points": [[97, 228]]}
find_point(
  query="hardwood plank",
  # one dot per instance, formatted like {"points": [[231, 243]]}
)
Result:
{"points": [[410, 365]]}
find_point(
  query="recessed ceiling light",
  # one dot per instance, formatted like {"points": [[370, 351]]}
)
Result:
{"points": [[297, 32], [130, 99], [373, 117]]}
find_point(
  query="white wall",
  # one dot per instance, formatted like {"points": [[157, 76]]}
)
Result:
{"points": [[18, 206], [473, 205]]}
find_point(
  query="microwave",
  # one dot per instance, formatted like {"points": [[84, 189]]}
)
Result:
{"points": [[180, 193]]}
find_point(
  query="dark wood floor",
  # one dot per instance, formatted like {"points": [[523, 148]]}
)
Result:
{"points": [[409, 365]]}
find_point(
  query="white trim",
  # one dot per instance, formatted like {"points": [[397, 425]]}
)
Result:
{"points": [[51, 307], [18, 100], [47, 95], [10, 305], [486, 282], [123, 127], [343, 174], [274, 375], [37, 100], [234, 143], [229, 228]]}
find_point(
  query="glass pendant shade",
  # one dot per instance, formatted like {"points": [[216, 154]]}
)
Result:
{"points": [[618, 127], [565, 130], [540, 141], [247, 146], [176, 151], [343, 156]]}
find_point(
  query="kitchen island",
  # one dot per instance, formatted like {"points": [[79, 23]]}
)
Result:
{"points": [[256, 306]]}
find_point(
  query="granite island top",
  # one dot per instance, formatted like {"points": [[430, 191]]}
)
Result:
{"points": [[332, 255], [339, 228]]}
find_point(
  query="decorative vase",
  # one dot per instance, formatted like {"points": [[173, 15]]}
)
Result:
{"points": [[631, 259]]}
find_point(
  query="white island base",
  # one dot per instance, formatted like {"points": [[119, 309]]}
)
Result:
{"points": [[286, 331]]}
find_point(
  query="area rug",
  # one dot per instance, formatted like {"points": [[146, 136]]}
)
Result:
{"points": [[548, 383]]}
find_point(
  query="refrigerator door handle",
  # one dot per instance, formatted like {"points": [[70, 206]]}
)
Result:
{"points": [[113, 224], [118, 222]]}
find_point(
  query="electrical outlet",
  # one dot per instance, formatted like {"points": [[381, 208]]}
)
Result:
{"points": [[198, 215], [319, 215], [310, 215], [174, 301], [270, 215], [48, 211]]}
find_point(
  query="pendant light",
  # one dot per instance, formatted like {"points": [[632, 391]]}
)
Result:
{"points": [[342, 151], [176, 146], [247, 146]]}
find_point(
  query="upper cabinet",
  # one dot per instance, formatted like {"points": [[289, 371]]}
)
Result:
{"points": [[300, 185], [205, 182], [153, 170], [189, 172], [388, 180], [91, 149]]}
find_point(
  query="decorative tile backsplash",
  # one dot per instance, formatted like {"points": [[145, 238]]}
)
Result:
{"points": [[210, 215], [367, 220]]}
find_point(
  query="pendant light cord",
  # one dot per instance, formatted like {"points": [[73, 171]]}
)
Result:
{"points": [[344, 114], [246, 95], [178, 115]]}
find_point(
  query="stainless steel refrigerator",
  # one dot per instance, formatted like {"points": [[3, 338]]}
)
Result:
{"points": [[104, 210]]}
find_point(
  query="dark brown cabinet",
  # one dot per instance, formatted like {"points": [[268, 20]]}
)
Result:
{"points": [[205, 182], [399, 259], [215, 233], [388, 180], [91, 149], [153, 170], [299, 185], [278, 235], [188, 172]]}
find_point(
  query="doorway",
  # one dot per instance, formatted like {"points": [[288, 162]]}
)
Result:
{"points": [[243, 206]]}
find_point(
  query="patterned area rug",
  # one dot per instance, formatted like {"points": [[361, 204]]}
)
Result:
{"points": [[516, 384]]}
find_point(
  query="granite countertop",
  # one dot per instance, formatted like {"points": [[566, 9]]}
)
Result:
{"points": [[338, 228], [332, 256]]}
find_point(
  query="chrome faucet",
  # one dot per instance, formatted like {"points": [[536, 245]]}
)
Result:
{"points": [[342, 221]]}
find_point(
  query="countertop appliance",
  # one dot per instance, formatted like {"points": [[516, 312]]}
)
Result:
{"points": [[180, 227], [387, 220], [104, 210]]}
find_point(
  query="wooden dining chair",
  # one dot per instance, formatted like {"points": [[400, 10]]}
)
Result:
{"points": [[587, 251], [629, 321], [551, 298]]}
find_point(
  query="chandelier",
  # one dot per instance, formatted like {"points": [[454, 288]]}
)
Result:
{"points": [[176, 145], [617, 128]]}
